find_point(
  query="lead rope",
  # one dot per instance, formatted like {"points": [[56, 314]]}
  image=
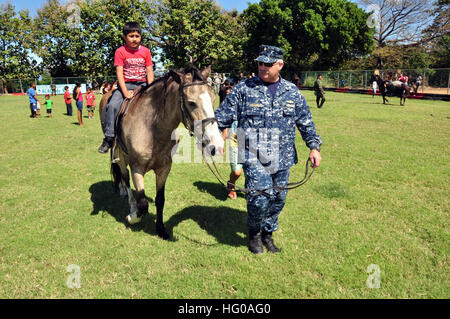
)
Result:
{"points": [[255, 192]]}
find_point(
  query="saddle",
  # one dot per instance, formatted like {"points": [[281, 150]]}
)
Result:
{"points": [[118, 124]]}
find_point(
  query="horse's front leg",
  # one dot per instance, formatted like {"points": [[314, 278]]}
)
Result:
{"points": [[161, 177]]}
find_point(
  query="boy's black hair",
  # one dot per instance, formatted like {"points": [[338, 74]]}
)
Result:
{"points": [[131, 27]]}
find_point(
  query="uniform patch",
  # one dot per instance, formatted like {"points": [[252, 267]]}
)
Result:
{"points": [[290, 103], [255, 105]]}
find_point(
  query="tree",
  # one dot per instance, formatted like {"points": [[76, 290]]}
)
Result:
{"points": [[80, 38], [101, 23], [198, 29], [57, 42], [439, 30], [16, 60], [398, 23], [317, 34]]}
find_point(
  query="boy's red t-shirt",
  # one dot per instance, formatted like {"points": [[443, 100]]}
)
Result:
{"points": [[67, 97], [90, 98], [134, 63]]}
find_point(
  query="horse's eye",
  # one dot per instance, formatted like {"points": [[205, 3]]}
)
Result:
{"points": [[192, 105]]}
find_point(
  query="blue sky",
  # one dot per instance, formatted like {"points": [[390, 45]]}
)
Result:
{"points": [[240, 5]]}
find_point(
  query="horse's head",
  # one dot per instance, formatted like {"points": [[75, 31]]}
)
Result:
{"points": [[196, 101]]}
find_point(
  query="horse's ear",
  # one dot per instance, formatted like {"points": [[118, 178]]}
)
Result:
{"points": [[206, 72], [175, 76]]}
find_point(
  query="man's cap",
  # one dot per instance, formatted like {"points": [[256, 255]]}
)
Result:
{"points": [[269, 54]]}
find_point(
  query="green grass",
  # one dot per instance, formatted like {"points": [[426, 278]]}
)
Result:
{"points": [[380, 197]]}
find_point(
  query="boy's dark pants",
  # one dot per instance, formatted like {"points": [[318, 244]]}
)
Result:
{"points": [[69, 109], [113, 107]]}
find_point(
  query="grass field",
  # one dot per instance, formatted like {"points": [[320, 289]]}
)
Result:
{"points": [[380, 197]]}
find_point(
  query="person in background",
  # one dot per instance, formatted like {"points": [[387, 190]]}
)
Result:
{"points": [[68, 101], [78, 97], [236, 168], [90, 102], [417, 84], [374, 87], [53, 87], [224, 90], [32, 95], [319, 91], [48, 105]]}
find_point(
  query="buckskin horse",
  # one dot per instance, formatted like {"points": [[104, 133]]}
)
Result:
{"points": [[144, 135]]}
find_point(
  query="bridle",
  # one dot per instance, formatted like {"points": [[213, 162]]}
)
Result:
{"points": [[187, 118]]}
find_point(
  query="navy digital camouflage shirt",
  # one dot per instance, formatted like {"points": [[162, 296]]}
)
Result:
{"points": [[267, 123]]}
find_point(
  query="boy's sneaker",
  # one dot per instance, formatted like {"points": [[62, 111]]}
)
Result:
{"points": [[106, 145]]}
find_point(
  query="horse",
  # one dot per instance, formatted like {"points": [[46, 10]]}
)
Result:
{"points": [[400, 89], [393, 88], [145, 135]]}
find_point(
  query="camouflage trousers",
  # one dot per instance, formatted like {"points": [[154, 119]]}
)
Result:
{"points": [[263, 209]]}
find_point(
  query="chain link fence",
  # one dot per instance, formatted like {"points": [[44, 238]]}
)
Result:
{"points": [[12, 86], [433, 81]]}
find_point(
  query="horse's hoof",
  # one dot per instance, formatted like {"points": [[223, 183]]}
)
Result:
{"points": [[162, 233], [133, 218]]}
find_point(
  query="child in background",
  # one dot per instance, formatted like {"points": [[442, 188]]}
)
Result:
{"points": [[68, 100], [236, 168], [48, 104], [90, 102], [38, 110]]}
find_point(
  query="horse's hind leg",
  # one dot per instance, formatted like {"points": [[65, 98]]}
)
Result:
{"points": [[124, 185], [142, 203], [161, 177]]}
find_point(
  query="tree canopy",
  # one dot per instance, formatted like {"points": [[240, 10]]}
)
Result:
{"points": [[197, 29], [16, 44], [316, 34], [79, 38]]}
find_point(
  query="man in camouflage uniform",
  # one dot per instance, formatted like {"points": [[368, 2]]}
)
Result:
{"points": [[319, 91], [268, 108]]}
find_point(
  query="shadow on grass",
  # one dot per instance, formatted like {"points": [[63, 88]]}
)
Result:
{"points": [[215, 189], [224, 223], [105, 199]]}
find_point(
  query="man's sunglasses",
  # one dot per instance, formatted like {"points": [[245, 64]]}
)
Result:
{"points": [[269, 65]]}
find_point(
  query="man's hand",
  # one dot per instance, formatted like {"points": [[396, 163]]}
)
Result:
{"points": [[315, 158]]}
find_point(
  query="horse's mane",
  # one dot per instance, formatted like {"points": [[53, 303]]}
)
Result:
{"points": [[163, 82], [195, 73]]}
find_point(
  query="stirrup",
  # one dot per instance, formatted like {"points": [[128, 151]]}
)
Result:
{"points": [[115, 154]]}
